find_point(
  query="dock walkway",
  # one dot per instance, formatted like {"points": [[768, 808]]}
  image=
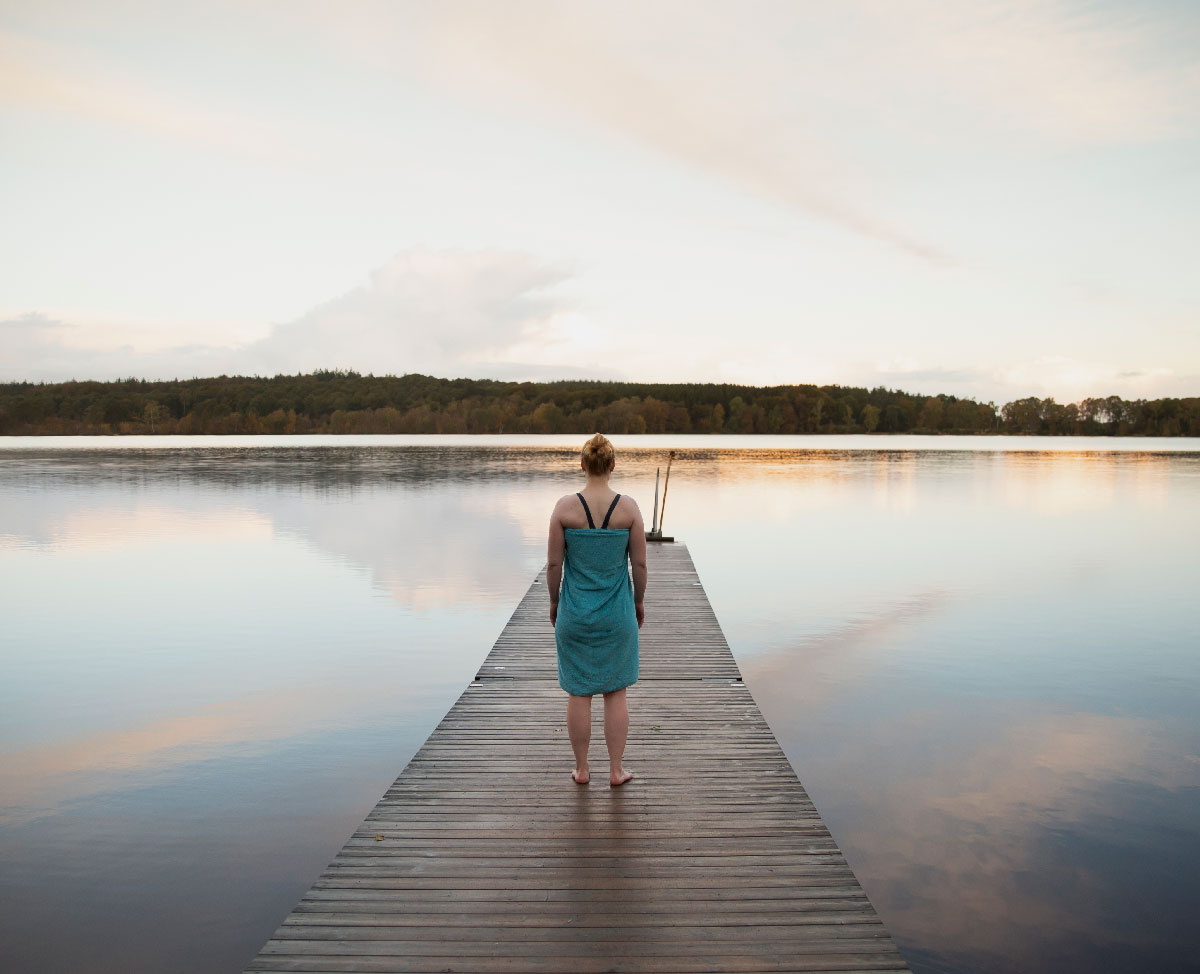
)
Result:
{"points": [[485, 856]]}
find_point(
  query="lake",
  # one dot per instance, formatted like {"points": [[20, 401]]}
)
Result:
{"points": [[979, 654]]}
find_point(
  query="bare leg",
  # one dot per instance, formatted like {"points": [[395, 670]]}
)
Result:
{"points": [[579, 730], [616, 730]]}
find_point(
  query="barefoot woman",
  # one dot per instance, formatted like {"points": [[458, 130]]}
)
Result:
{"points": [[594, 536]]}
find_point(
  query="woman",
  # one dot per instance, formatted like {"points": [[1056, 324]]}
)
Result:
{"points": [[594, 535]]}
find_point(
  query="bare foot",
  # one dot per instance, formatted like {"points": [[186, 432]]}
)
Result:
{"points": [[581, 777], [618, 778]]}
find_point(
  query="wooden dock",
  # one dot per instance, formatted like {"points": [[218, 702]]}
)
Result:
{"points": [[485, 856]]}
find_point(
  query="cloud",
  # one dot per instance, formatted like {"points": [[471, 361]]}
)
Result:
{"points": [[48, 77], [906, 374], [424, 311], [480, 314], [36, 347], [813, 108], [1061, 377], [1069, 379], [1069, 71], [508, 316], [729, 117], [28, 336]]}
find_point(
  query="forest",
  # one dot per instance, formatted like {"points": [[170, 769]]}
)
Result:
{"points": [[338, 401]]}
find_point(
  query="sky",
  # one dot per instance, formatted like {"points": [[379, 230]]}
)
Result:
{"points": [[993, 199]]}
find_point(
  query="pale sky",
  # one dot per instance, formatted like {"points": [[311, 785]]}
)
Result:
{"points": [[996, 198]]}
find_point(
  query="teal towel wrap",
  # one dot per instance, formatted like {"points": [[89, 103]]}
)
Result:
{"points": [[596, 632]]}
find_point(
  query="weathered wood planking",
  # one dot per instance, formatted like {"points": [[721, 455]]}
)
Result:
{"points": [[485, 856]]}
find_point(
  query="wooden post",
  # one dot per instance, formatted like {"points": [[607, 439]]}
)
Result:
{"points": [[666, 486], [654, 517]]}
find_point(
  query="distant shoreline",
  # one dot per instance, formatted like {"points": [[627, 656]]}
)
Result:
{"points": [[558, 436], [636, 448], [346, 403]]}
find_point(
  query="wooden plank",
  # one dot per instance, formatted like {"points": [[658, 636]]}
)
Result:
{"points": [[483, 855], [471, 960]]}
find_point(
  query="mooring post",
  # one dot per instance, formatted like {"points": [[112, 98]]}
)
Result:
{"points": [[654, 518], [666, 486], [655, 532]]}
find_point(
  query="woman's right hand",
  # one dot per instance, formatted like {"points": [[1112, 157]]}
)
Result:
{"points": [[640, 609]]}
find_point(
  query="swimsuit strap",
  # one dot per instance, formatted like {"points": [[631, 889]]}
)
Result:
{"points": [[587, 511], [612, 507]]}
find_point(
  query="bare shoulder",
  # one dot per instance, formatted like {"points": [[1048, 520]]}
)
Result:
{"points": [[626, 514], [568, 512], [566, 502]]}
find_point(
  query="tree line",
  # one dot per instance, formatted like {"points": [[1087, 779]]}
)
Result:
{"points": [[337, 401]]}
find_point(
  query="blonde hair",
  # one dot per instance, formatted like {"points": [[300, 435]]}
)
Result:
{"points": [[598, 455]]}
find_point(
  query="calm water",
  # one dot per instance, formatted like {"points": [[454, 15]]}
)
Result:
{"points": [[981, 656]]}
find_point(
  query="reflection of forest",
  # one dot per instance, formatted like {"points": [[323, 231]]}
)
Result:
{"points": [[346, 402]]}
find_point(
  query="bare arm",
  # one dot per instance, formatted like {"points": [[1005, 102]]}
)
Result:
{"points": [[637, 560], [555, 545]]}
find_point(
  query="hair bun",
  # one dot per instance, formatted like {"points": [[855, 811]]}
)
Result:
{"points": [[598, 455]]}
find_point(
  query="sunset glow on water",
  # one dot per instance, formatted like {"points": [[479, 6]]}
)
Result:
{"points": [[980, 662]]}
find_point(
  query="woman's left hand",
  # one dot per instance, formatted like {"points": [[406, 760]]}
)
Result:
{"points": [[553, 613]]}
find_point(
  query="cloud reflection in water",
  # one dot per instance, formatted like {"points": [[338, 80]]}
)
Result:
{"points": [[978, 663]]}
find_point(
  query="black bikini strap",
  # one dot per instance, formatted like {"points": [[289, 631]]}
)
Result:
{"points": [[587, 511], [611, 507]]}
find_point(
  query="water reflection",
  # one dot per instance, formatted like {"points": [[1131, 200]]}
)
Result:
{"points": [[416, 548], [40, 779], [1001, 837], [982, 665], [999, 729]]}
